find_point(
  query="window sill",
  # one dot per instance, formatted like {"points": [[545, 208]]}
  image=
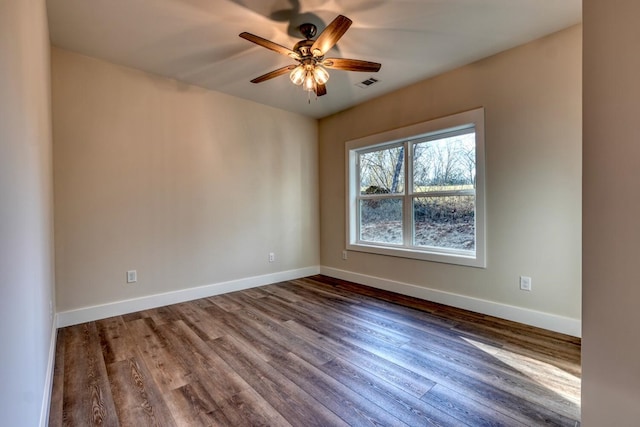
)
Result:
{"points": [[454, 257]]}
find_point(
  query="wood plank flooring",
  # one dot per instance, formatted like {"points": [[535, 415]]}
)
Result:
{"points": [[313, 352]]}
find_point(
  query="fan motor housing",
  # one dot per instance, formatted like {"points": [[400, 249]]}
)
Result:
{"points": [[303, 47]]}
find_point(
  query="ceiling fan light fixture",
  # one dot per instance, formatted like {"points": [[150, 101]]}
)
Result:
{"points": [[310, 72], [320, 75], [298, 74], [309, 82]]}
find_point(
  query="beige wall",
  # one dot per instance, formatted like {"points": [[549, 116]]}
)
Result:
{"points": [[532, 101], [611, 212], [188, 187], [26, 207]]}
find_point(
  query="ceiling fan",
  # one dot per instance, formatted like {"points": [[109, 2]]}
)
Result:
{"points": [[310, 71]]}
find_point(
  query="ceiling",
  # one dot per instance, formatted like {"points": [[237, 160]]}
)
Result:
{"points": [[196, 41]]}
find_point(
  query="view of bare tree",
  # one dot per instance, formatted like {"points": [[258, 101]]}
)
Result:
{"points": [[383, 169], [444, 162]]}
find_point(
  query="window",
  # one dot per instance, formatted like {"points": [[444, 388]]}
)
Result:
{"points": [[418, 191]]}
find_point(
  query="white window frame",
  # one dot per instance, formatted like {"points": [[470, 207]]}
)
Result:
{"points": [[430, 129]]}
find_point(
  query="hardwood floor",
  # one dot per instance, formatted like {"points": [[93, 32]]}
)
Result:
{"points": [[313, 352]]}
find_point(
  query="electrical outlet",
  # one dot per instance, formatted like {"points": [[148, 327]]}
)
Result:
{"points": [[132, 276], [525, 283], [272, 257], [345, 255]]}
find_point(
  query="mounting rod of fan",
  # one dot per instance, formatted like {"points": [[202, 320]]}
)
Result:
{"points": [[310, 71]]}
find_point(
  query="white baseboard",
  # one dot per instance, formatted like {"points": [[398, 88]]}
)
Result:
{"points": [[89, 314], [535, 318], [48, 382], [552, 322]]}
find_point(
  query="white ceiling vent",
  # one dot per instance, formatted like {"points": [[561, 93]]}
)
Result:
{"points": [[366, 83]]}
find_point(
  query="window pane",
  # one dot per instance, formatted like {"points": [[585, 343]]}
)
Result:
{"points": [[381, 221], [445, 222], [445, 164], [382, 171]]}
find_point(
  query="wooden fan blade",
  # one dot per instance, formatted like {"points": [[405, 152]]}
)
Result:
{"points": [[330, 36], [351, 65], [269, 45], [321, 90], [274, 73]]}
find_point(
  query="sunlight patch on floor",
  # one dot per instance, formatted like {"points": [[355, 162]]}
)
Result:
{"points": [[547, 375]]}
